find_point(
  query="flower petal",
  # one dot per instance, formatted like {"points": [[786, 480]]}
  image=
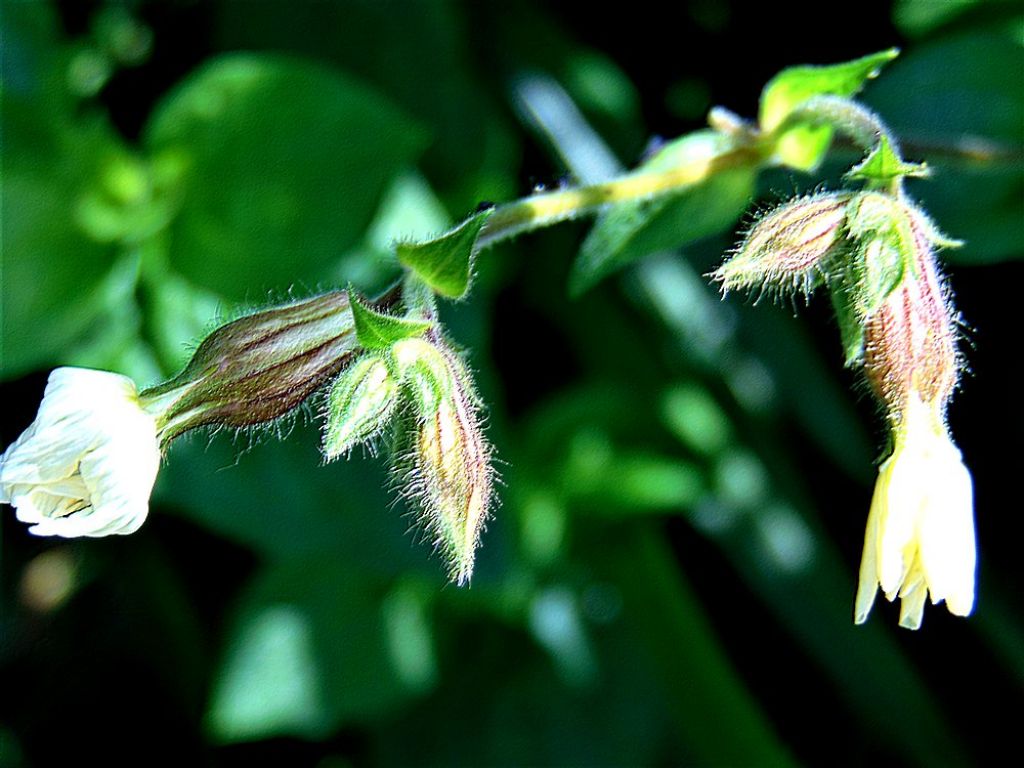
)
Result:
{"points": [[867, 586], [948, 552], [899, 481], [86, 465], [912, 606]]}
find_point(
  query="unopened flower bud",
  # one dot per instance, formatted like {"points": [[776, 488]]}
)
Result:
{"points": [[787, 248], [910, 339], [260, 367], [450, 461], [426, 369], [361, 402]]}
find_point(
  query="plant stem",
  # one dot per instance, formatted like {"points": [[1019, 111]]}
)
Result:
{"points": [[549, 208]]}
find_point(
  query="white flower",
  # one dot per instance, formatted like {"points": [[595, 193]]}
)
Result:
{"points": [[920, 533], [86, 465]]}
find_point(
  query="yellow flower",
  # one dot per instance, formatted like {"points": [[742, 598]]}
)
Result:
{"points": [[920, 533], [86, 465]]}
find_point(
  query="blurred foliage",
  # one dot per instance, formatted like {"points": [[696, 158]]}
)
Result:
{"points": [[669, 577]]}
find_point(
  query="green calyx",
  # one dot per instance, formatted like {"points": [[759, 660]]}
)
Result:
{"points": [[380, 331], [883, 165], [360, 405]]}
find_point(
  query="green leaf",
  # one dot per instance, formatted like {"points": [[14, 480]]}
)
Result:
{"points": [[269, 684], [278, 499], [882, 165], [54, 275], [379, 331], [795, 85], [630, 231], [802, 146], [311, 650], [446, 262], [284, 164]]}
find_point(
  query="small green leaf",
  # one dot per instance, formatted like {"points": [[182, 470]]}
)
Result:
{"points": [[882, 164], [793, 86], [376, 330], [802, 146], [446, 262]]}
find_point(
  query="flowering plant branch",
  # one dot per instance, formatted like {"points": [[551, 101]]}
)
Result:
{"points": [[85, 467]]}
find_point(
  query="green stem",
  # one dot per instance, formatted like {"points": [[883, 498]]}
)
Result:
{"points": [[857, 122], [550, 208]]}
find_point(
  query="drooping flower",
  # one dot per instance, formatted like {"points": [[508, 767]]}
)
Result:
{"points": [[87, 464], [920, 532], [920, 539]]}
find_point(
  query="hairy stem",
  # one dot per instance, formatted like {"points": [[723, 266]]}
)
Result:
{"points": [[550, 208]]}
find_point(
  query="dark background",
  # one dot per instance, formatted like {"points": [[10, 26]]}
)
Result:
{"points": [[128, 663]]}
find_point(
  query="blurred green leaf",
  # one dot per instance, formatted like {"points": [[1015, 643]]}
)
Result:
{"points": [[952, 102], [600, 85], [285, 162], [33, 60], [270, 684], [410, 210], [618, 482], [275, 498], [822, 408], [705, 690], [422, 55], [802, 145], [53, 272], [56, 284], [179, 314], [632, 230], [310, 651], [918, 17], [696, 419]]}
